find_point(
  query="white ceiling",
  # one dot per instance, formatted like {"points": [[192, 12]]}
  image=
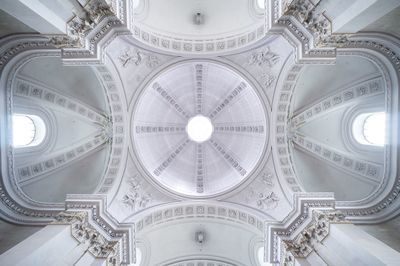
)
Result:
{"points": [[235, 147]]}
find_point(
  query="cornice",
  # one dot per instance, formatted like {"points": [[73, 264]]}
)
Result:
{"points": [[91, 223], [297, 220]]}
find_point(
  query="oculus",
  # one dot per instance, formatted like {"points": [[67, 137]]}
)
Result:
{"points": [[199, 128]]}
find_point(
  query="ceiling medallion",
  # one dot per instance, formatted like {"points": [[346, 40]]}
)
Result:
{"points": [[199, 129]]}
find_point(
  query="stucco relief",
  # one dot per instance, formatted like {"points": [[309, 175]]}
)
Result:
{"points": [[136, 198], [136, 57]]}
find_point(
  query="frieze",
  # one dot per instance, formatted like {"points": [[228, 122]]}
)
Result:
{"points": [[199, 211], [173, 44], [347, 162], [114, 129], [36, 91], [28, 173], [201, 263], [363, 89], [281, 123]]}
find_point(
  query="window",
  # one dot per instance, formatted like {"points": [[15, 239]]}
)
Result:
{"points": [[28, 130], [261, 4], [370, 128]]}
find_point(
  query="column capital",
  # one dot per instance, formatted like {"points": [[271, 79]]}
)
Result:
{"points": [[315, 232]]}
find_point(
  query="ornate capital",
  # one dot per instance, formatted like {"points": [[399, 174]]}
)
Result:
{"points": [[315, 22], [317, 230], [98, 245]]}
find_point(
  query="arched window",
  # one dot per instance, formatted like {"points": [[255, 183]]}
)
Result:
{"points": [[28, 130], [370, 128], [261, 4]]}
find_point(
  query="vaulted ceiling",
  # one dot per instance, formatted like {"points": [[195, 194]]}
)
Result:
{"points": [[117, 92]]}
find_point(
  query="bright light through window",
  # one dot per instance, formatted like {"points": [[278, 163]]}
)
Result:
{"points": [[23, 130], [199, 128], [261, 4], [374, 129], [28, 130], [370, 128]]}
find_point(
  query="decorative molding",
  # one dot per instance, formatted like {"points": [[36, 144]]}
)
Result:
{"points": [[200, 170], [281, 128], [247, 129], [227, 156], [156, 129], [200, 262], [33, 90], [363, 89], [193, 211], [304, 204], [98, 245], [118, 235], [114, 129], [171, 100], [199, 85], [305, 12], [174, 153], [227, 100], [346, 162], [91, 223], [196, 46], [27, 174], [86, 30], [315, 232]]}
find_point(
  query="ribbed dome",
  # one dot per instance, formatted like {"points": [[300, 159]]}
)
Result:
{"points": [[172, 119]]}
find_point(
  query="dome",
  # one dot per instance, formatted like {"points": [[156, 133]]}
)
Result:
{"points": [[199, 129]]}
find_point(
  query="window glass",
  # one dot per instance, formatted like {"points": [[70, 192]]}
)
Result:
{"points": [[27, 130], [370, 128], [374, 129]]}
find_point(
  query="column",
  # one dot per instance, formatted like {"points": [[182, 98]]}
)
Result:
{"points": [[346, 244], [53, 245]]}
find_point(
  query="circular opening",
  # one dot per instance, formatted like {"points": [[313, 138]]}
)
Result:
{"points": [[199, 128]]}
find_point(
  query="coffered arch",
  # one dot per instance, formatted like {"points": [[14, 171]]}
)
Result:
{"points": [[73, 105]]}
